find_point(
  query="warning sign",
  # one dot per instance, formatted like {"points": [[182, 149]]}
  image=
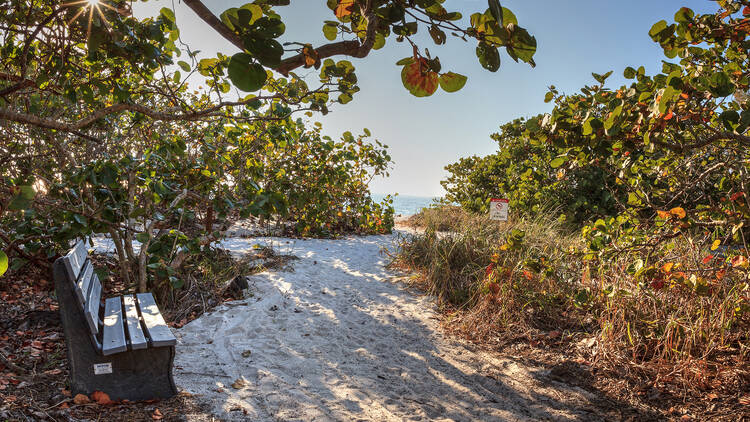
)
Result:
{"points": [[499, 209]]}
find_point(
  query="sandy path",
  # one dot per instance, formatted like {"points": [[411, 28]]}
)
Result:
{"points": [[339, 338]]}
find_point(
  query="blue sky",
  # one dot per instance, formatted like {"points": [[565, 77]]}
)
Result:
{"points": [[575, 38]]}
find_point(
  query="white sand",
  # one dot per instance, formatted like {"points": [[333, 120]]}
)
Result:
{"points": [[339, 338]]}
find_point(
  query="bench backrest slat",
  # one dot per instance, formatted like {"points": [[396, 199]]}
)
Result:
{"points": [[74, 259], [92, 304], [133, 322], [156, 328], [83, 283], [113, 335]]}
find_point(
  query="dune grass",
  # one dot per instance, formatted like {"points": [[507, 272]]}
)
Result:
{"points": [[499, 281]]}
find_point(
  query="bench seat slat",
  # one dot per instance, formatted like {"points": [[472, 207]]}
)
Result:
{"points": [[113, 336], [133, 322], [75, 258], [156, 328], [83, 283], [92, 305]]}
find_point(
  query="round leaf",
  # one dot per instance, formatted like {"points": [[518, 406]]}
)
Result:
{"points": [[488, 56], [245, 74], [419, 81], [557, 162], [452, 82]]}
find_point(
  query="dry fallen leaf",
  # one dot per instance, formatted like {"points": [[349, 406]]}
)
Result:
{"points": [[81, 399], [238, 383], [101, 397], [156, 415]]}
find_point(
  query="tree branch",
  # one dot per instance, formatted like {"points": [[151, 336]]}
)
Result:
{"points": [[346, 48], [207, 15]]}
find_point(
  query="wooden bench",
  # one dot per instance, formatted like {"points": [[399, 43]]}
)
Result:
{"points": [[123, 347]]}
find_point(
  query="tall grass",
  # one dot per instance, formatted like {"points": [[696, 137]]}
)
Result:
{"points": [[500, 285]]}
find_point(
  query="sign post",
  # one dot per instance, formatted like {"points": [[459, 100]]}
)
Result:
{"points": [[499, 209]]}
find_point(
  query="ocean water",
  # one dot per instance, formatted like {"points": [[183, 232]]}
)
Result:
{"points": [[406, 204]]}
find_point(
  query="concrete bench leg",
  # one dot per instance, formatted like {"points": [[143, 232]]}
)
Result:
{"points": [[136, 375]]}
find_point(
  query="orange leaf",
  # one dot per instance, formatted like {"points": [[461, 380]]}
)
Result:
{"points": [[157, 415], [663, 214], [344, 8], [311, 56], [746, 11], [708, 259], [678, 212], [667, 267], [668, 116], [81, 399], [101, 398], [737, 196], [685, 95]]}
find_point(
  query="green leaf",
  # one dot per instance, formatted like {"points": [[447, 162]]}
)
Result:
{"points": [[3, 263], [184, 65], [488, 56], [80, 219], [496, 10], [267, 51], [23, 199], [142, 237], [634, 199], [557, 162], [729, 118], [175, 282], [330, 31], [437, 34], [379, 41], [405, 61], [601, 78], [721, 85], [452, 82], [684, 15], [245, 74], [657, 28], [523, 46], [167, 14]]}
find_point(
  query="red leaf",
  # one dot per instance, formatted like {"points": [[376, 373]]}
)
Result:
{"points": [[657, 284], [746, 11], [737, 195], [488, 270], [708, 259], [494, 288], [419, 80]]}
